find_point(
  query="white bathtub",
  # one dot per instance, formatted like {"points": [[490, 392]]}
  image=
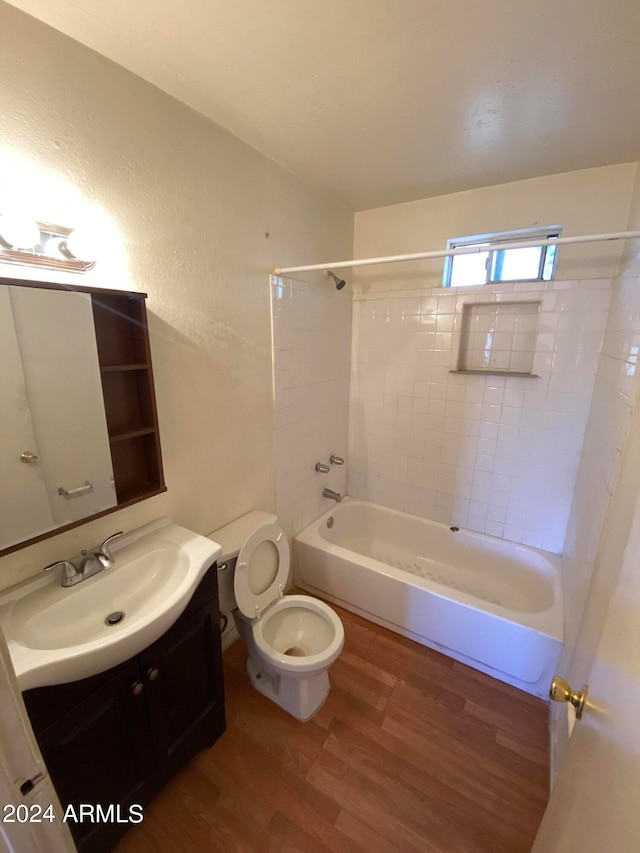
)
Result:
{"points": [[489, 603]]}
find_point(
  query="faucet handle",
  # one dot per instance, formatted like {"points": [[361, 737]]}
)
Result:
{"points": [[68, 570], [104, 553]]}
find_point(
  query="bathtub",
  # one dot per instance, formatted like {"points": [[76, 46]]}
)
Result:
{"points": [[491, 604]]}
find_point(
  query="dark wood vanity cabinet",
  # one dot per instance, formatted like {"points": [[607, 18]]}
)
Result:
{"points": [[117, 738]]}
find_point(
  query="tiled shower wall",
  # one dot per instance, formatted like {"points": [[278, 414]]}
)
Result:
{"points": [[312, 351], [613, 401], [614, 397], [491, 453]]}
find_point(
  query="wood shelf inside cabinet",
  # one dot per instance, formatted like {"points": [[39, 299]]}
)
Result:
{"points": [[124, 354], [116, 368], [132, 495], [131, 433]]}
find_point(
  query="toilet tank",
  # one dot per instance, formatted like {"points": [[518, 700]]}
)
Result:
{"points": [[231, 538]]}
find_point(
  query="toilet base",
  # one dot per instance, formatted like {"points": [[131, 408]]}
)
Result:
{"points": [[300, 697]]}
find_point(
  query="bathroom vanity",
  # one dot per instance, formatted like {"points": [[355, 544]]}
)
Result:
{"points": [[118, 655], [116, 738]]}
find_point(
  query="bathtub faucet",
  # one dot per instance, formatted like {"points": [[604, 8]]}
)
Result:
{"points": [[329, 493]]}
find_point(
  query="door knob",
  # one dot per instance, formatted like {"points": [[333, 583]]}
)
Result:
{"points": [[137, 688], [561, 691], [28, 457], [152, 673]]}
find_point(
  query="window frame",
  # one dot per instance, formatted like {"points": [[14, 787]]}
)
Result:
{"points": [[492, 242]]}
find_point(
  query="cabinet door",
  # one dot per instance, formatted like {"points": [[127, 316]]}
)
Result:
{"points": [[184, 688], [99, 753]]}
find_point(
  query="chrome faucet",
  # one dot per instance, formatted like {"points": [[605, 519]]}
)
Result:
{"points": [[329, 493], [86, 564]]}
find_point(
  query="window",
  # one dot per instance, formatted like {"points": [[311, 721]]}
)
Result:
{"points": [[493, 264]]}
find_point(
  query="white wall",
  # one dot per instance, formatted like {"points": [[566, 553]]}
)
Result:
{"points": [[585, 202], [491, 453], [607, 485], [193, 217], [312, 350]]}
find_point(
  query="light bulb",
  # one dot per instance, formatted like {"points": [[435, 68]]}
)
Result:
{"points": [[53, 247], [18, 232], [79, 245]]}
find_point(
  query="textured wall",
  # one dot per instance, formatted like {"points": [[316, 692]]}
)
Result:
{"points": [[184, 210]]}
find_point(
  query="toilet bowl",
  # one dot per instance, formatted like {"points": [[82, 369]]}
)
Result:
{"points": [[292, 640]]}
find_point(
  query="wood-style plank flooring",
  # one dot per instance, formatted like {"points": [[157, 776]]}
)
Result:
{"points": [[411, 752]]}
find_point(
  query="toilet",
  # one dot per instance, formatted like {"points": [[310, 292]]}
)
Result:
{"points": [[292, 639]]}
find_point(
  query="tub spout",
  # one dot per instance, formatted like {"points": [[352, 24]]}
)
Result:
{"points": [[329, 493]]}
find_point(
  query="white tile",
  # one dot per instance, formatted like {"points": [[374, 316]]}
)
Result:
{"points": [[494, 528], [490, 441]]}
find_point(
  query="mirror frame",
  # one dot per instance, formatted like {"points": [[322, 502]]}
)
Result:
{"points": [[123, 315]]}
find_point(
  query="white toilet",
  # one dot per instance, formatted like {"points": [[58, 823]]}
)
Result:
{"points": [[292, 640]]}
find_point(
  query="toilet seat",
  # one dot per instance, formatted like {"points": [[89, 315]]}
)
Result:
{"points": [[261, 570]]}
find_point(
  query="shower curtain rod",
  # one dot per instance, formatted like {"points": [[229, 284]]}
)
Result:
{"points": [[462, 250]]}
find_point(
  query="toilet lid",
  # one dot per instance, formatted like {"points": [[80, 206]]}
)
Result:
{"points": [[261, 570]]}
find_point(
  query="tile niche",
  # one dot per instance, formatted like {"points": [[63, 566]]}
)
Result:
{"points": [[498, 337]]}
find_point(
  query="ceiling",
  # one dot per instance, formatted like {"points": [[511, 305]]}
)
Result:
{"points": [[385, 101]]}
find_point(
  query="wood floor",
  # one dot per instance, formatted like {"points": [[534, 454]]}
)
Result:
{"points": [[411, 752]]}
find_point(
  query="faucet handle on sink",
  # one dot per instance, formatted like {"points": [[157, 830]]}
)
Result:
{"points": [[103, 554], [68, 569]]}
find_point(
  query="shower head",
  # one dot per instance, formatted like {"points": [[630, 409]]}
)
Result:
{"points": [[340, 282]]}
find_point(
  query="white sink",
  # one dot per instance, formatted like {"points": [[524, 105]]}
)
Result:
{"points": [[57, 634]]}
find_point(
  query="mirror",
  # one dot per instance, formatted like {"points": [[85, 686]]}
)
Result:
{"points": [[78, 427]]}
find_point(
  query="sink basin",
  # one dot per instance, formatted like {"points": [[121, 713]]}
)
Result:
{"points": [[58, 634]]}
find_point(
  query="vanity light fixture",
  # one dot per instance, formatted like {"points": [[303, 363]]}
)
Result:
{"points": [[42, 244]]}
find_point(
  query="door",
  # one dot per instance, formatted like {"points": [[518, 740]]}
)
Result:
{"points": [[184, 688], [24, 782], [24, 504], [595, 804], [100, 753]]}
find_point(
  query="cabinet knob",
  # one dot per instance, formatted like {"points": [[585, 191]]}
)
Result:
{"points": [[152, 673], [137, 687]]}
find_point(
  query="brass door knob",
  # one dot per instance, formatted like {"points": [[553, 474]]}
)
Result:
{"points": [[28, 457], [561, 691]]}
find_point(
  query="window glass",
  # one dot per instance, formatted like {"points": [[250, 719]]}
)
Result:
{"points": [[516, 264], [469, 269], [530, 263]]}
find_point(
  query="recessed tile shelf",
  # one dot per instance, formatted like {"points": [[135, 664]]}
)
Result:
{"points": [[498, 373], [498, 338]]}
